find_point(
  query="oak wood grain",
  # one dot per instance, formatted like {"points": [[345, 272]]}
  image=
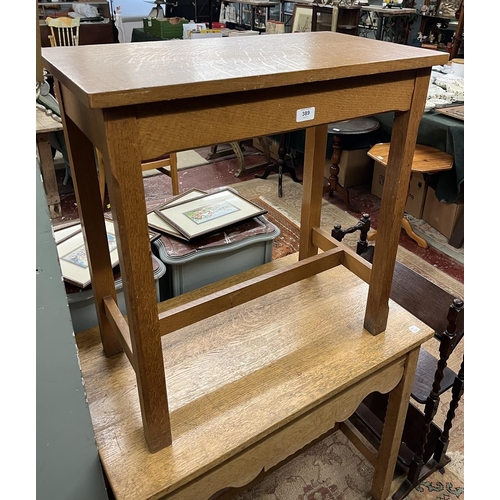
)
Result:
{"points": [[163, 71], [426, 159], [394, 195], [241, 375], [267, 354]]}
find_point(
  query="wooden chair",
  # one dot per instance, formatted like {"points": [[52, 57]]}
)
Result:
{"points": [[426, 160], [424, 444], [64, 31], [166, 164]]}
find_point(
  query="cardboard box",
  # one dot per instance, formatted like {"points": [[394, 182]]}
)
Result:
{"points": [[355, 167], [416, 193], [441, 216], [205, 34]]}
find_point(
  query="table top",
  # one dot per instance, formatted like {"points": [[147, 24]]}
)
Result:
{"points": [[446, 134], [355, 126], [426, 159], [159, 71]]}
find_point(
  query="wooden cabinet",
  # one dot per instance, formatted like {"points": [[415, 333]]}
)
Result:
{"points": [[91, 32], [442, 28], [347, 19]]}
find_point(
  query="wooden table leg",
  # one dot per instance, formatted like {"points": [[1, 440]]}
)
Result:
{"points": [[333, 180], [392, 207], [48, 174], [393, 430]]}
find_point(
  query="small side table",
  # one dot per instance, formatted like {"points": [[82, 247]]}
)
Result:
{"points": [[357, 126]]}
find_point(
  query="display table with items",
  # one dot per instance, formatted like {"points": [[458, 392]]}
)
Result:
{"points": [[388, 24], [207, 390], [220, 253]]}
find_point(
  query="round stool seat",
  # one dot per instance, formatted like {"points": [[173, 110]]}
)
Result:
{"points": [[362, 125]]}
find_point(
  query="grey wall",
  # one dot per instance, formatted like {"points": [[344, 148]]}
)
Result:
{"points": [[67, 464]]}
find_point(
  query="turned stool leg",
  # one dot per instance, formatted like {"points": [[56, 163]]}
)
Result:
{"points": [[333, 180]]}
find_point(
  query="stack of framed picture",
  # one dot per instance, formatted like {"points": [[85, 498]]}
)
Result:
{"points": [[196, 213], [206, 237], [73, 254]]}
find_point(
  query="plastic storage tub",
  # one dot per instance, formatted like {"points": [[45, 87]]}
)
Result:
{"points": [[190, 266]]}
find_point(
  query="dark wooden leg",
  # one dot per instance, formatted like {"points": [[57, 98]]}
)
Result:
{"points": [[333, 180], [442, 444], [281, 166], [418, 471]]}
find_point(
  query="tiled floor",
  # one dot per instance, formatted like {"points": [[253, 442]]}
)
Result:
{"points": [[222, 173]]}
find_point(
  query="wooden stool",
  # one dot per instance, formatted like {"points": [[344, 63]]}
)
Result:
{"points": [[238, 149], [357, 126], [166, 165], [426, 160]]}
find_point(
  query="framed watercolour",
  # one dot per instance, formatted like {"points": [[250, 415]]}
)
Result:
{"points": [[73, 254], [209, 213], [158, 223], [302, 18]]}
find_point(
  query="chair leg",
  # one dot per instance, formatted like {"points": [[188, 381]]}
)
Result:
{"points": [[419, 470], [174, 174], [414, 236], [457, 392]]}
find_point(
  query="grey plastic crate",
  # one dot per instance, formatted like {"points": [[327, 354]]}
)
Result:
{"points": [[82, 306], [208, 265]]}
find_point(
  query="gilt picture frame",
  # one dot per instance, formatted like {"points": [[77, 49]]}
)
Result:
{"points": [[209, 213]]}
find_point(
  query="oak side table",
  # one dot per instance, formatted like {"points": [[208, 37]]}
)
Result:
{"points": [[247, 387]]}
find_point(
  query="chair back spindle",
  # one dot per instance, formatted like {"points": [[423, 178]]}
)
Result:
{"points": [[64, 31]]}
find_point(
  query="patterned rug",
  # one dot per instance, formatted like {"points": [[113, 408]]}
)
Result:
{"points": [[435, 238], [288, 240], [335, 470]]}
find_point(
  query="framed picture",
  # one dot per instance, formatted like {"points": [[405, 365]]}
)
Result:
{"points": [[448, 8], [209, 213], [73, 254], [302, 18], [160, 224], [63, 232]]}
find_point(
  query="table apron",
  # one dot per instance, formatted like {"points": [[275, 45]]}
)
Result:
{"points": [[178, 125]]}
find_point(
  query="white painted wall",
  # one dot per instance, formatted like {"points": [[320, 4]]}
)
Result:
{"points": [[137, 8]]}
